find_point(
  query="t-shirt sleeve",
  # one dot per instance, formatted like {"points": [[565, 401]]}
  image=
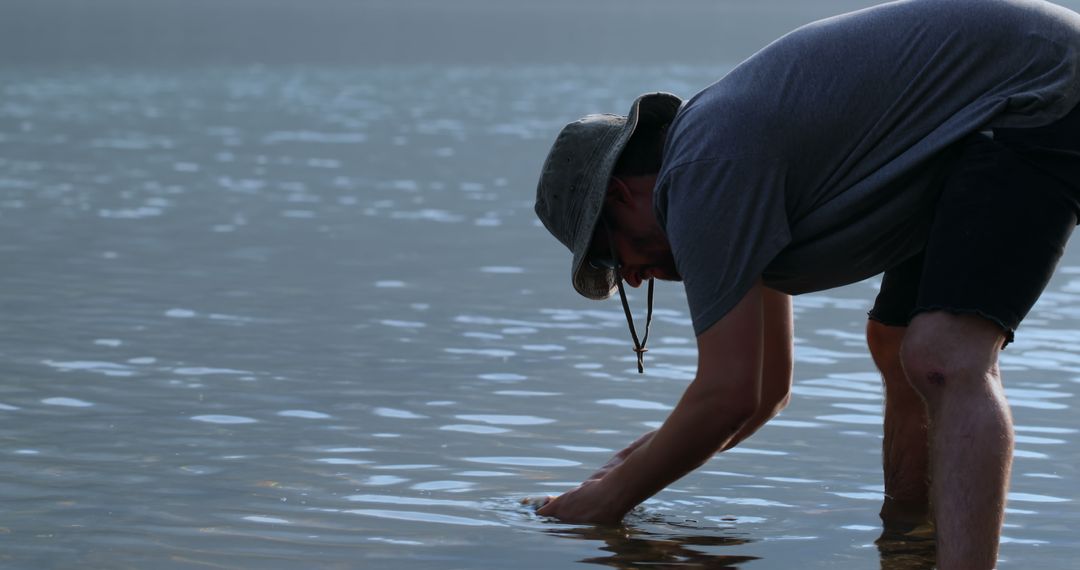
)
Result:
{"points": [[726, 220]]}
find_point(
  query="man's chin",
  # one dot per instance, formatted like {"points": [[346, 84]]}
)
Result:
{"points": [[667, 275]]}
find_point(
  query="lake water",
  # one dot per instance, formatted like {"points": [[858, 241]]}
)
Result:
{"points": [[305, 318]]}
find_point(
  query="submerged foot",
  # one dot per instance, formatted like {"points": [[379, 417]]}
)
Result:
{"points": [[911, 519], [907, 540]]}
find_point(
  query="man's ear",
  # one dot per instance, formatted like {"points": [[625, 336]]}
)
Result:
{"points": [[618, 192]]}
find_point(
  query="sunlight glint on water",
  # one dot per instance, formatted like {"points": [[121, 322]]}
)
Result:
{"points": [[309, 314]]}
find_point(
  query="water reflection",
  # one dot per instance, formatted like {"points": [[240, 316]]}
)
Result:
{"points": [[915, 550], [652, 541], [633, 546]]}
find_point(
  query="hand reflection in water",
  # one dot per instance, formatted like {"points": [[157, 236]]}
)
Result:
{"points": [[632, 547], [900, 547], [907, 542]]}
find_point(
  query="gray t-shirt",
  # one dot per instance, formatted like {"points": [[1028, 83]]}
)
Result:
{"points": [[815, 162]]}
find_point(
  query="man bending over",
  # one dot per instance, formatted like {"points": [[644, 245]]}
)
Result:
{"points": [[937, 141]]}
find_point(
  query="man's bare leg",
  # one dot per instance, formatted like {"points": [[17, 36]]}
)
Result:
{"points": [[951, 360], [905, 449]]}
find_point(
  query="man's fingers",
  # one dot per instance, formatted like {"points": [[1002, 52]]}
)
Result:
{"points": [[537, 503]]}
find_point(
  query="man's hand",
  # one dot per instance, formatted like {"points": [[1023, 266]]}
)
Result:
{"points": [[724, 398], [576, 505], [586, 503]]}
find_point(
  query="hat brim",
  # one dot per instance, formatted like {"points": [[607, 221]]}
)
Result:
{"points": [[601, 283]]}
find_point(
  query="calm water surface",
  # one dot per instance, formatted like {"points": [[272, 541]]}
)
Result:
{"points": [[304, 318]]}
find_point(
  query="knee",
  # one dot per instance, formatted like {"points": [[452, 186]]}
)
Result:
{"points": [[945, 354], [923, 367]]}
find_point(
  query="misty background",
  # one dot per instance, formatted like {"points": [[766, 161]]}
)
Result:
{"points": [[200, 32]]}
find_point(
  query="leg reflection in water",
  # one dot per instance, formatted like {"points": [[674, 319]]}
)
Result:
{"points": [[911, 550]]}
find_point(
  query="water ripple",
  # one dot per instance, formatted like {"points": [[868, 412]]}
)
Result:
{"points": [[307, 414], [747, 501], [527, 393], [383, 480], [860, 419], [106, 368], [503, 377], [635, 404], [343, 461], [278, 137], [223, 419], [396, 413], [505, 419], [524, 461], [264, 519], [412, 501], [494, 352], [416, 516], [450, 486], [1033, 498], [67, 402]]}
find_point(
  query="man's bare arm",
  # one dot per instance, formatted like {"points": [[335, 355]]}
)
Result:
{"points": [[725, 394], [777, 362]]}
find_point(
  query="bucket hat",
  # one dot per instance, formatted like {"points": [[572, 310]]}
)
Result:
{"points": [[573, 185], [574, 181]]}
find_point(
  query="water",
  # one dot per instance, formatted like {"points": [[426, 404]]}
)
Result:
{"points": [[286, 317]]}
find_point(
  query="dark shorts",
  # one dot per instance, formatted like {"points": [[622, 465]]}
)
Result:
{"points": [[1007, 208]]}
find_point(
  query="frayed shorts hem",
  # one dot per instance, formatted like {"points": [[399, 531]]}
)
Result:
{"points": [[1006, 210], [893, 322]]}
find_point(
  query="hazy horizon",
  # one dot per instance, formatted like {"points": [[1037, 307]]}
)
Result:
{"points": [[199, 32]]}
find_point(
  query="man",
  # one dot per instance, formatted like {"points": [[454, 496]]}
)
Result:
{"points": [[937, 141]]}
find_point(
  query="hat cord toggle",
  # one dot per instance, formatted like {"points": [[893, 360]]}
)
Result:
{"points": [[639, 347]]}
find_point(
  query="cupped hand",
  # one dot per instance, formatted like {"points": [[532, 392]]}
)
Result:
{"points": [[586, 503]]}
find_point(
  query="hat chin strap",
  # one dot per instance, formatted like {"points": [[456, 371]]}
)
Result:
{"points": [[639, 347]]}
